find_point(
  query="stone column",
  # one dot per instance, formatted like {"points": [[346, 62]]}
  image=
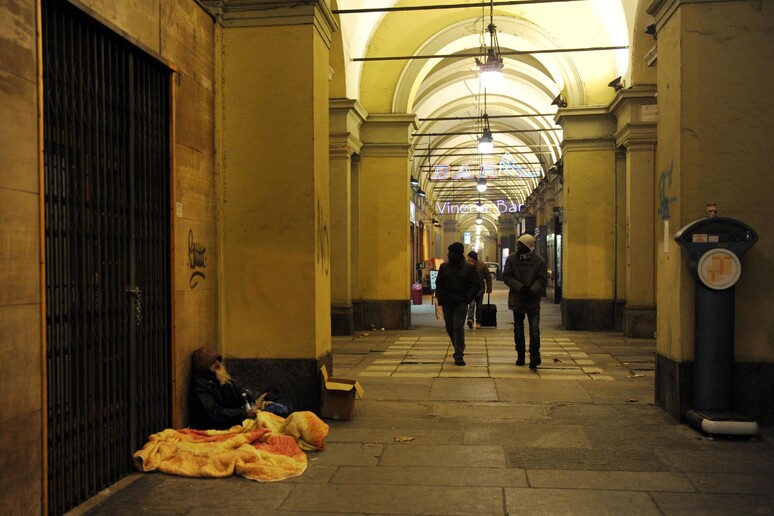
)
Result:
{"points": [[715, 121], [386, 272], [635, 111], [346, 116], [274, 210], [589, 219]]}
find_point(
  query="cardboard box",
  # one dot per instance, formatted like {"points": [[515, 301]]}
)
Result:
{"points": [[338, 399]]}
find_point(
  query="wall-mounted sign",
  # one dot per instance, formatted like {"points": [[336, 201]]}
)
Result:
{"points": [[507, 167], [466, 237]]}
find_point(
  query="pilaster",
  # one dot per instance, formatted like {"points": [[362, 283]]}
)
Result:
{"points": [[386, 273], [636, 113], [346, 117], [588, 155]]}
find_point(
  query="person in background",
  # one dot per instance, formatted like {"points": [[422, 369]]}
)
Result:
{"points": [[217, 402], [476, 307], [456, 286], [525, 274]]}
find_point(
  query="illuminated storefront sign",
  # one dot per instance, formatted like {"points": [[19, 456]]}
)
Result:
{"points": [[447, 208], [506, 168]]}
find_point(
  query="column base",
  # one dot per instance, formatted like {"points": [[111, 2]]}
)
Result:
{"points": [[588, 314], [674, 388], [342, 320], [298, 380], [639, 321], [387, 314]]}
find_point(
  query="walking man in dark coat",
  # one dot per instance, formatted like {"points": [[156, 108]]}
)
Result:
{"points": [[525, 274], [456, 286]]}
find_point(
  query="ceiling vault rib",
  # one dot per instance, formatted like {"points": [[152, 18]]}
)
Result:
{"points": [[503, 53], [491, 117], [448, 6], [461, 133]]}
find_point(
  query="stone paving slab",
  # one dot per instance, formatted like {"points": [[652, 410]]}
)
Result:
{"points": [[524, 391], [450, 456], [386, 499], [578, 502], [588, 459], [738, 483], [680, 504], [432, 476], [615, 480]]}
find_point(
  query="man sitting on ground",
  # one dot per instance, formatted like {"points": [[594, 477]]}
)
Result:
{"points": [[217, 402]]}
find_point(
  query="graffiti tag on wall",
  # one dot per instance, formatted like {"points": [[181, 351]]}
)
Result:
{"points": [[196, 260], [323, 240], [664, 189]]}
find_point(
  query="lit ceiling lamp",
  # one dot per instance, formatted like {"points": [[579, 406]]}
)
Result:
{"points": [[479, 219], [414, 182], [486, 142], [491, 71], [481, 184]]}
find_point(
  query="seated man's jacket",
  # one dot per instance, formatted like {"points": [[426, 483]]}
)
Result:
{"points": [[214, 406]]}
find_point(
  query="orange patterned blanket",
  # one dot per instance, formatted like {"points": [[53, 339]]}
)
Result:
{"points": [[267, 449]]}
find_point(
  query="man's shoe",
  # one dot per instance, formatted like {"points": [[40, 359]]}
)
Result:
{"points": [[459, 361], [478, 325], [520, 360], [470, 323], [534, 362]]}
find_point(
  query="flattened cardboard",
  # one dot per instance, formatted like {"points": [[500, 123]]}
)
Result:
{"points": [[338, 399]]}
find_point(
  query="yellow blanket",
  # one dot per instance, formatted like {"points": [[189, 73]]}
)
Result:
{"points": [[267, 449]]}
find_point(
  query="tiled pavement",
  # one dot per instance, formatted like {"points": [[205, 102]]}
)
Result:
{"points": [[580, 435]]}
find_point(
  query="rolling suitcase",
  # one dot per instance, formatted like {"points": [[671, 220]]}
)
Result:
{"points": [[489, 315]]}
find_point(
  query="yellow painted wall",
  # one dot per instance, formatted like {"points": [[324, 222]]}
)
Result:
{"points": [[275, 208], [714, 136], [589, 227]]}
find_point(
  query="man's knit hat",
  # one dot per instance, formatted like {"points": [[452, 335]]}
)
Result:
{"points": [[457, 248], [202, 358], [527, 240], [473, 255]]}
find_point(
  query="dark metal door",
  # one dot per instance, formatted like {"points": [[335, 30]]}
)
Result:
{"points": [[107, 240]]}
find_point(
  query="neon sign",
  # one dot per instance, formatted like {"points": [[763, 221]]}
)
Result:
{"points": [[447, 208], [507, 167]]}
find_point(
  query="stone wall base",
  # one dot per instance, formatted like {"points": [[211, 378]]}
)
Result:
{"points": [[753, 383], [387, 314], [342, 320], [298, 380], [639, 321], [588, 314]]}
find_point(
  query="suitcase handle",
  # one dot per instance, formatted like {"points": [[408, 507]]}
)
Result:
{"points": [[488, 295]]}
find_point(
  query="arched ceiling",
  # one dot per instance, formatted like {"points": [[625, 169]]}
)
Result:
{"points": [[448, 100]]}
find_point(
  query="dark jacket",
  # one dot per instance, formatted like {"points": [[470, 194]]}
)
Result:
{"points": [[456, 284], [214, 406], [530, 270], [484, 276]]}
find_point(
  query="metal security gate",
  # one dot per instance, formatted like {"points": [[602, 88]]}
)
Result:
{"points": [[107, 240]]}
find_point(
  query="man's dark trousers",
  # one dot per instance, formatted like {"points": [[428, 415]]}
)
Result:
{"points": [[454, 317]]}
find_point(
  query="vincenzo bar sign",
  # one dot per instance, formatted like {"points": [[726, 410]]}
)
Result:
{"points": [[447, 208]]}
